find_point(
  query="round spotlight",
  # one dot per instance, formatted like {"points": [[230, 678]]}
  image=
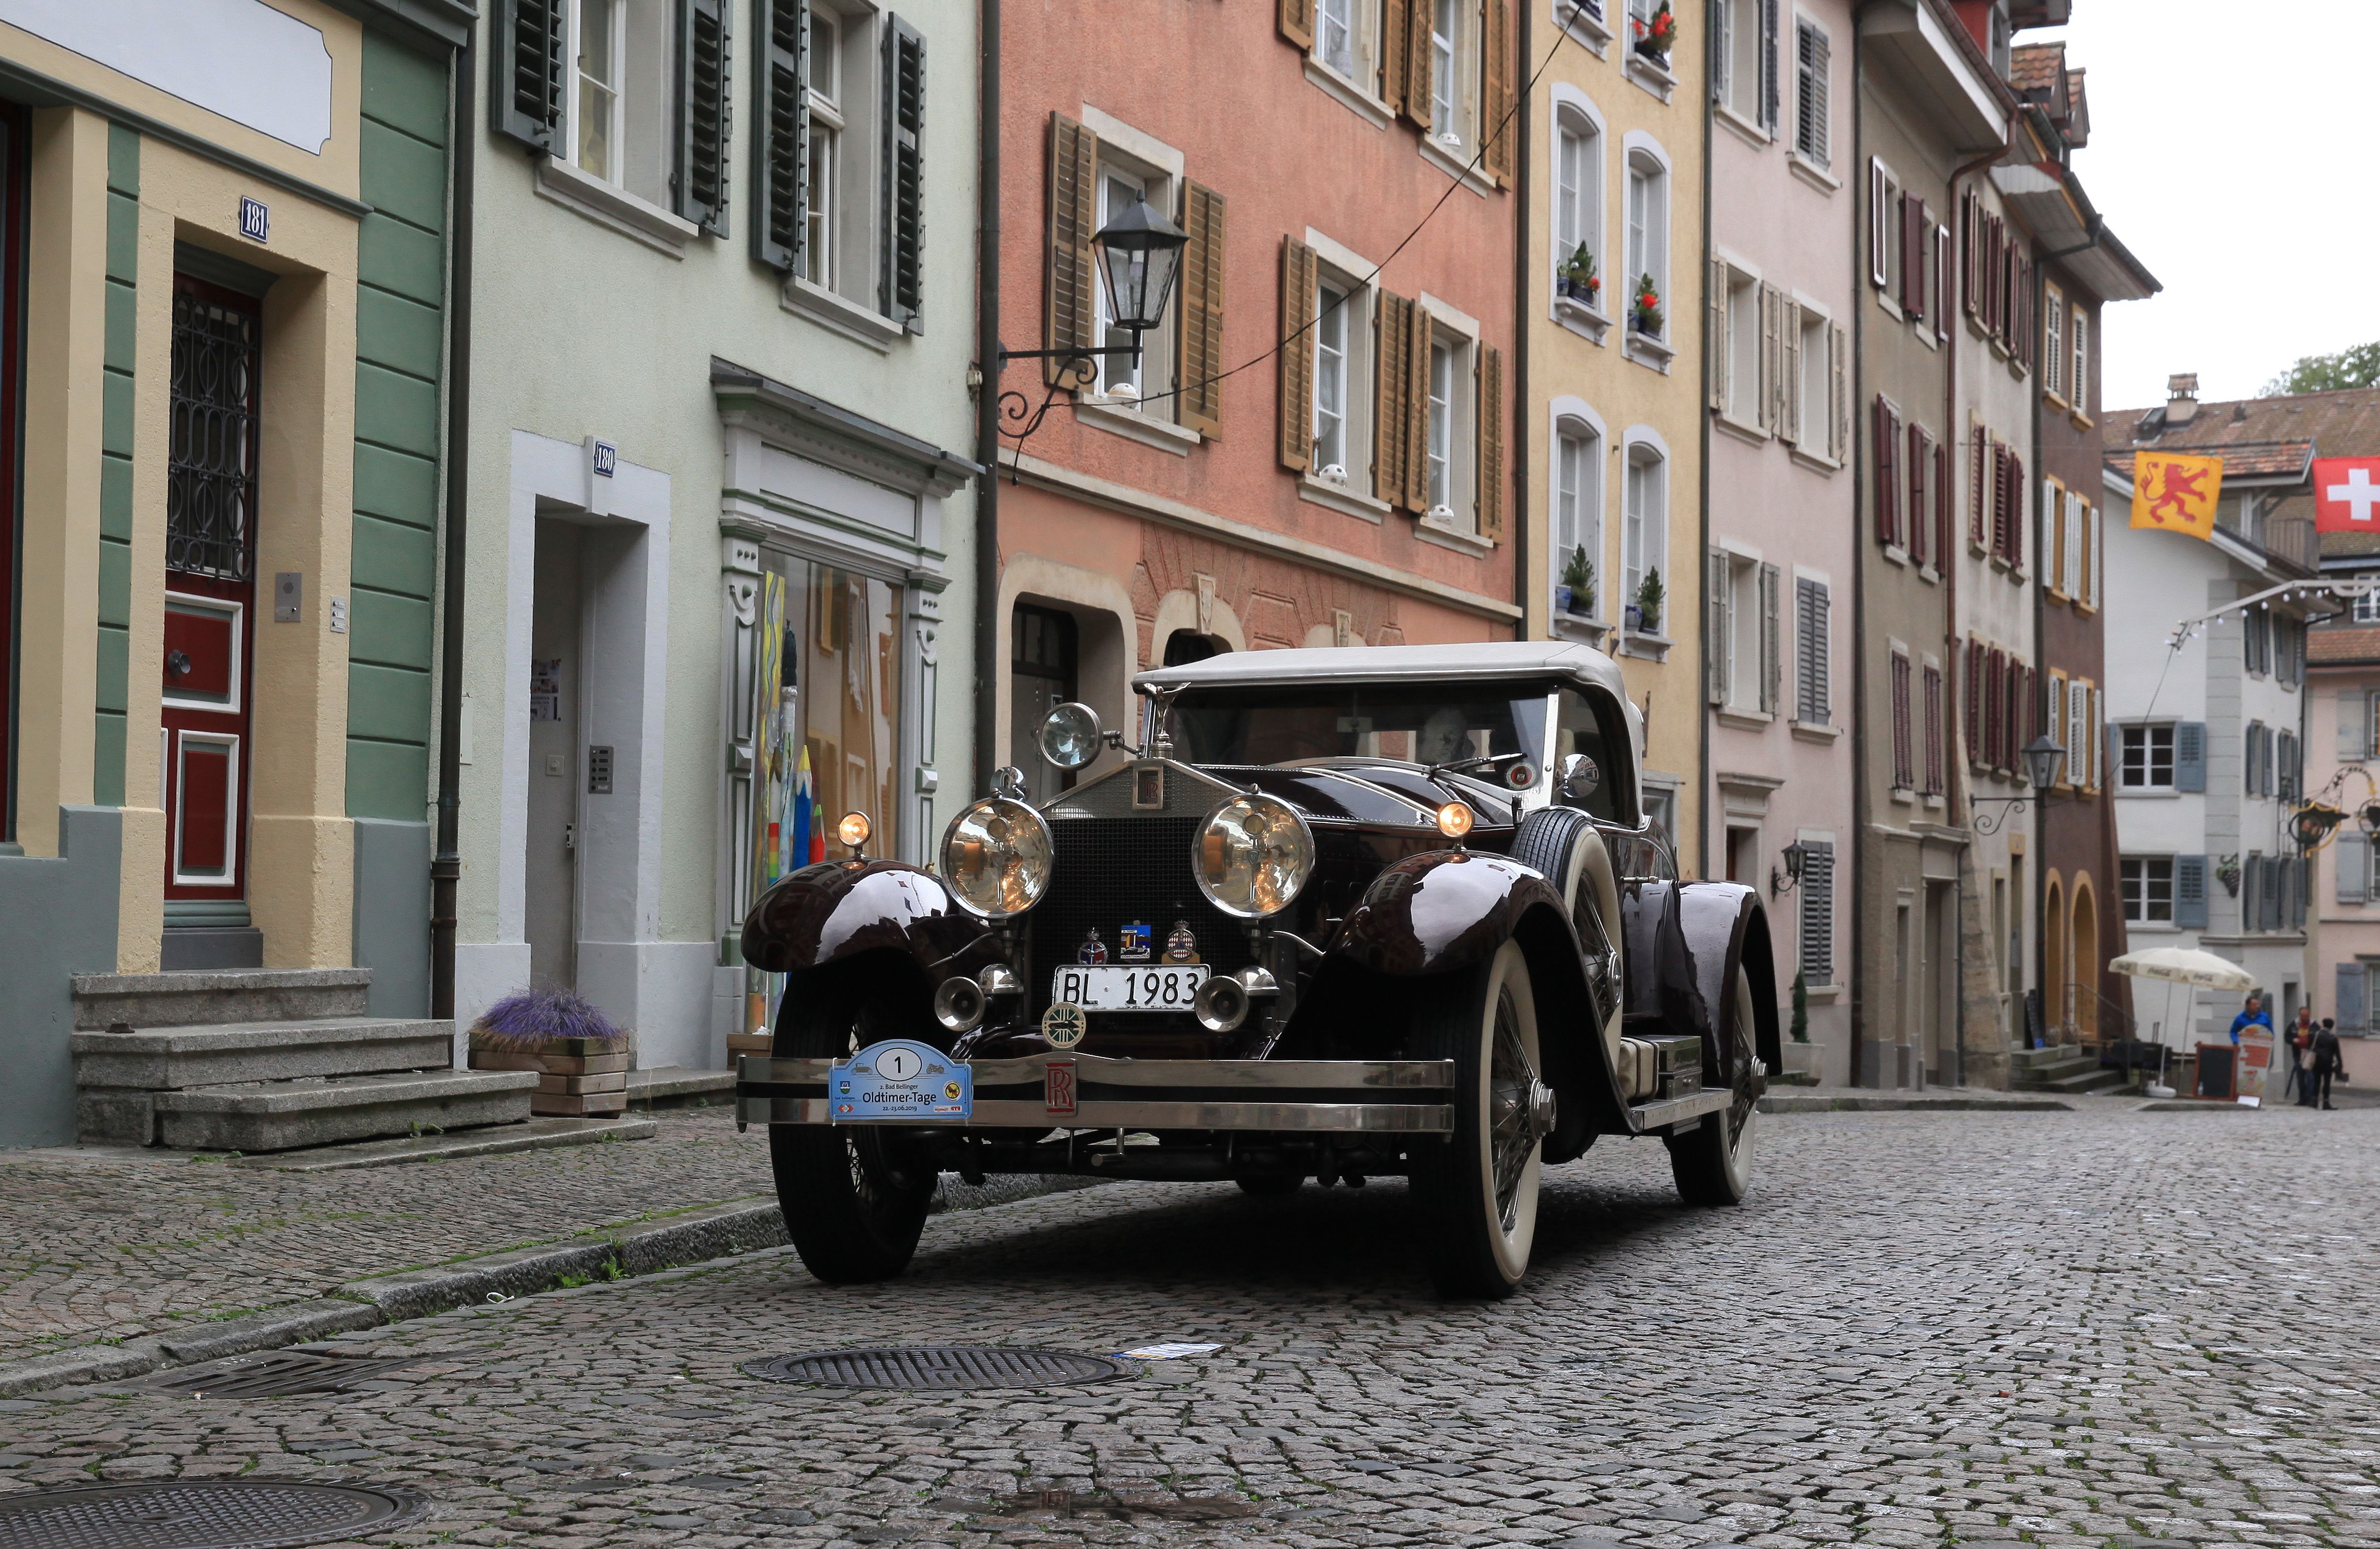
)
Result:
{"points": [[854, 830], [1222, 1004], [998, 855], [1454, 819], [958, 1005], [1070, 735]]}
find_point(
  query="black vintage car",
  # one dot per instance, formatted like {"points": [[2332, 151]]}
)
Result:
{"points": [[1344, 914]]}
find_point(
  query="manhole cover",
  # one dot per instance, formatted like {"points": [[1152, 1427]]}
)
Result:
{"points": [[199, 1514], [940, 1367], [279, 1376]]}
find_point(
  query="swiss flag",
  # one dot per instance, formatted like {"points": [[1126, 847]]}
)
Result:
{"points": [[2347, 494]]}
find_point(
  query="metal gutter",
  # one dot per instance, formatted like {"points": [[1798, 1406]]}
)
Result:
{"points": [[447, 857], [986, 398]]}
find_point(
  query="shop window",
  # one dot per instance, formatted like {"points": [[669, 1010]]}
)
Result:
{"points": [[829, 693], [1044, 671]]}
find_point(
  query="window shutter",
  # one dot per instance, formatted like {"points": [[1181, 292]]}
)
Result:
{"points": [[1297, 21], [781, 184], [1888, 487], [1070, 315], [2017, 488], [1916, 528], [1491, 444], [1772, 359], [1201, 311], [2111, 747], [1417, 413], [1418, 85], [2095, 523], [1941, 300], [1945, 536], [1792, 411], [1880, 228], [1817, 912], [1769, 66], [2350, 1010], [2190, 891], [1392, 54], [2189, 755], [1772, 656], [1496, 87], [1839, 393], [704, 109], [525, 65], [1299, 272], [1820, 144], [1394, 346], [1977, 450], [2354, 725], [1720, 612], [1913, 255], [1715, 288], [1974, 706], [902, 236]]}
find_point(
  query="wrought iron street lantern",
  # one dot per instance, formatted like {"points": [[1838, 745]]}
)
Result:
{"points": [[1140, 254], [2044, 756], [1796, 857], [2045, 759]]}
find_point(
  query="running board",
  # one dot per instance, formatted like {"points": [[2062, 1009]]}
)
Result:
{"points": [[1645, 1118]]}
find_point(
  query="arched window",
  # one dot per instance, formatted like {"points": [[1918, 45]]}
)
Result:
{"points": [[2054, 1013], [1648, 228], [1577, 508], [1578, 208], [1644, 539], [2084, 975]]}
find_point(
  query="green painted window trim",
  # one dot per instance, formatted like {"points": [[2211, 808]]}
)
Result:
{"points": [[114, 646]]}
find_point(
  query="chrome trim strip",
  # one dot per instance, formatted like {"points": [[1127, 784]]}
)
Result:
{"points": [[1677, 1110], [1094, 1070], [1371, 1118]]}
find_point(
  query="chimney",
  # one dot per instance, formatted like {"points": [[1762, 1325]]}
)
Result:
{"points": [[2181, 402]]}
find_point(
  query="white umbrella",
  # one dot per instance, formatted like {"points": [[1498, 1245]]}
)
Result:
{"points": [[2184, 965]]}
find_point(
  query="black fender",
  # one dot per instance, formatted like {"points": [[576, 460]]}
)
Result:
{"points": [[836, 910], [1685, 942]]}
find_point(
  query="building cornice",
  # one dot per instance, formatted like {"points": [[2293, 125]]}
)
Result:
{"points": [[433, 24], [837, 436]]}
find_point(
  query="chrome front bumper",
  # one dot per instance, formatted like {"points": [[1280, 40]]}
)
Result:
{"points": [[1095, 1092]]}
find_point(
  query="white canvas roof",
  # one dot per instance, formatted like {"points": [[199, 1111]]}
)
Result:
{"points": [[1482, 659]]}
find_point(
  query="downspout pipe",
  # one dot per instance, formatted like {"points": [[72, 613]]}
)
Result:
{"points": [[986, 401], [1863, 845], [1524, 592], [446, 855], [1706, 799]]}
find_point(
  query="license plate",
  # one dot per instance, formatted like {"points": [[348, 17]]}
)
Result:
{"points": [[1162, 988]]}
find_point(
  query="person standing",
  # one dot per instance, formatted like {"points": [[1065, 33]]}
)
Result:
{"points": [[2302, 1034], [2326, 1062]]}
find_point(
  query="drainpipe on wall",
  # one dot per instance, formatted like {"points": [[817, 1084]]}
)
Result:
{"points": [[1702, 416], [1861, 844], [987, 402], [446, 858], [1524, 592]]}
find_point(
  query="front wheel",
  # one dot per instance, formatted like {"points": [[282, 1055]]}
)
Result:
{"points": [[1713, 1162], [1477, 1193], [854, 1196]]}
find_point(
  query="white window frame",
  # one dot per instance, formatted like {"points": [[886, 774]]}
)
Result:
{"points": [[1644, 522], [1575, 114], [1736, 51], [1647, 213], [2078, 329], [2148, 729], [1458, 332], [1576, 495], [1743, 385], [2125, 890], [2053, 342], [1138, 157], [1341, 268], [643, 151], [1884, 234], [1453, 60]]}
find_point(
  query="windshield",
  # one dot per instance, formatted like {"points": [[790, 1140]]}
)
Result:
{"points": [[1421, 723]]}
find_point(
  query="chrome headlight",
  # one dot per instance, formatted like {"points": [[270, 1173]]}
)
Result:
{"points": [[997, 857], [1070, 735], [1253, 856]]}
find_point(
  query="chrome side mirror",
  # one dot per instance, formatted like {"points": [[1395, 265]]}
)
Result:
{"points": [[1576, 778], [1070, 735]]}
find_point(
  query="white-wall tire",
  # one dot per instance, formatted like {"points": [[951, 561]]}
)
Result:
{"points": [[1477, 1193]]}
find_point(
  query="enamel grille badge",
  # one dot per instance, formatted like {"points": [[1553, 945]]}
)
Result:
{"points": [[1180, 945], [1063, 1024], [1131, 942], [1093, 949]]}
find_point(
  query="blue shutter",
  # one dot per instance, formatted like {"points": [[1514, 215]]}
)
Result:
{"points": [[2352, 857], [2350, 1011], [2189, 755], [2190, 891]]}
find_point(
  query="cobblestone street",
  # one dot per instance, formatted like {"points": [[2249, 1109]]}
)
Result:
{"points": [[2094, 1328]]}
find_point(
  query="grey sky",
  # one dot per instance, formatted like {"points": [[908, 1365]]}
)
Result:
{"points": [[2224, 153]]}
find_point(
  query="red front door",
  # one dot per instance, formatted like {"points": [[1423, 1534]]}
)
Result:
{"points": [[210, 591]]}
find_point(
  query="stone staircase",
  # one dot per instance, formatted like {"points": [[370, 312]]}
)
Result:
{"points": [[2064, 1069], [268, 1059]]}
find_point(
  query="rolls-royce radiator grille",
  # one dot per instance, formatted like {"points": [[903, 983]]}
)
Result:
{"points": [[1117, 871]]}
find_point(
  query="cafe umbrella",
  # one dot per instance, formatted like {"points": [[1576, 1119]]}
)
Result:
{"points": [[2181, 965]]}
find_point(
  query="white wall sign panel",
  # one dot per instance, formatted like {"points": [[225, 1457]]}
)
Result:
{"points": [[240, 58]]}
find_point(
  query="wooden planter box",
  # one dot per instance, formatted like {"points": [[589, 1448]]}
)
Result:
{"points": [[578, 1077]]}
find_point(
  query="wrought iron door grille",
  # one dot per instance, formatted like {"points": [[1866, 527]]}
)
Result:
{"points": [[211, 471]]}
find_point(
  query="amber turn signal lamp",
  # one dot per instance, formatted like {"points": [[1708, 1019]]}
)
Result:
{"points": [[853, 831], [1454, 819]]}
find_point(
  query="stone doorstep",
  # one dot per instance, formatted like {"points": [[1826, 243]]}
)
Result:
{"points": [[536, 1134], [282, 1116], [670, 1083], [219, 996], [162, 1058], [331, 1095]]}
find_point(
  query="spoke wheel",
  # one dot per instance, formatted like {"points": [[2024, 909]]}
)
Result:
{"points": [[1713, 1164], [854, 1196], [1477, 1193]]}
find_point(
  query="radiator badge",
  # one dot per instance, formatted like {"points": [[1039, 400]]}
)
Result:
{"points": [[1131, 942], [1063, 1024], [1093, 949], [1180, 945]]}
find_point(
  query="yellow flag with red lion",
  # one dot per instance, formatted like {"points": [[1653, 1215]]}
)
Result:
{"points": [[2176, 493]]}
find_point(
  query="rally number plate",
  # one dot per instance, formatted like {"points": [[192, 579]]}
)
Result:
{"points": [[1129, 988]]}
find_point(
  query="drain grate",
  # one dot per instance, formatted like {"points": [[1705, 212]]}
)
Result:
{"points": [[279, 1376], [940, 1368], [200, 1514]]}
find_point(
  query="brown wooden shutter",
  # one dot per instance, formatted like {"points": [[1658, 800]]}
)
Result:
{"points": [[1392, 52], [1495, 86], [1069, 316], [1914, 539], [1417, 62], [1297, 22], [1299, 270], [1882, 435], [1491, 444], [1839, 393], [1945, 528], [1772, 358], [1393, 363], [1202, 309], [1417, 413]]}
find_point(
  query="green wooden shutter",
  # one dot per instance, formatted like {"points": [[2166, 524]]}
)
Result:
{"points": [[904, 237], [524, 71], [781, 142], [703, 114]]}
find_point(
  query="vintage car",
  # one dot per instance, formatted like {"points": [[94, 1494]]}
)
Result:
{"points": [[1344, 913]]}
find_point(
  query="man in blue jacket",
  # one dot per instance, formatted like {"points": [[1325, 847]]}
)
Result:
{"points": [[2252, 1017]]}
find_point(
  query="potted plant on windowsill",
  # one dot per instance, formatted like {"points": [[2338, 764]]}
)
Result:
{"points": [[1656, 34], [1650, 597], [1645, 309], [1578, 281], [580, 1056], [1575, 596]]}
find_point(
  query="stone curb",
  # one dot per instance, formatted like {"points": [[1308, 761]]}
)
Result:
{"points": [[1813, 1103], [633, 1248]]}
